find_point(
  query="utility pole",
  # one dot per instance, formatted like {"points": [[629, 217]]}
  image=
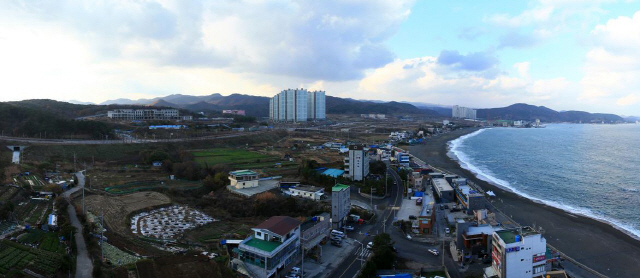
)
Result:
{"points": [[102, 235], [74, 162]]}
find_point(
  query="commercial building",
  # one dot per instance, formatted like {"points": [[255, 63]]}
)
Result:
{"points": [[243, 179], [274, 245], [467, 197], [403, 159], [517, 253], [474, 239], [297, 105], [356, 165], [463, 112], [307, 191], [426, 219], [146, 114], [316, 109], [314, 231], [340, 205], [234, 112], [443, 189]]}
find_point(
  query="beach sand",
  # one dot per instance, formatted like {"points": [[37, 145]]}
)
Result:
{"points": [[595, 244]]}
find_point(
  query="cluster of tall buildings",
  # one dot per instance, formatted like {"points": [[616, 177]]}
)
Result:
{"points": [[297, 105], [463, 112]]}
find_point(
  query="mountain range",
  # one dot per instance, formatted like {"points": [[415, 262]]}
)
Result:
{"points": [[258, 106], [522, 111]]}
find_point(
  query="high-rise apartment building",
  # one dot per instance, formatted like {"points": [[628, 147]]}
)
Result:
{"points": [[297, 105], [340, 205], [463, 112], [357, 163], [517, 253]]}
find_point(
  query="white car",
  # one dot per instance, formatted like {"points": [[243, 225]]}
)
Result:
{"points": [[349, 228], [434, 251], [447, 231], [370, 245]]}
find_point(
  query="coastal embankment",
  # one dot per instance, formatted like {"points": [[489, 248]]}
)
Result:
{"points": [[598, 245]]}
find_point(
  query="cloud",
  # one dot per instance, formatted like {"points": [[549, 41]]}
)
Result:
{"points": [[422, 79], [477, 61], [332, 40], [531, 16], [518, 40], [612, 67]]}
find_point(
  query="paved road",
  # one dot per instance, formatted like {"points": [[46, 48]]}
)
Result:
{"points": [[37, 141], [84, 265]]}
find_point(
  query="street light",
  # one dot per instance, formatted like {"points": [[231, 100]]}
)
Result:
{"points": [[361, 253]]}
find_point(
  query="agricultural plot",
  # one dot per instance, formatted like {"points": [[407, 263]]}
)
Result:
{"points": [[116, 256], [14, 256], [117, 209], [149, 185], [236, 158], [33, 211], [7, 193], [168, 223], [48, 241]]}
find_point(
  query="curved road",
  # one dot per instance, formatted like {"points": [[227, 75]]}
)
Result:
{"points": [[84, 265]]}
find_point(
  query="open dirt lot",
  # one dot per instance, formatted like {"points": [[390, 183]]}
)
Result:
{"points": [[117, 209]]}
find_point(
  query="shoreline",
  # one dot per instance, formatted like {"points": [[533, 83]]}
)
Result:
{"points": [[485, 177], [597, 244]]}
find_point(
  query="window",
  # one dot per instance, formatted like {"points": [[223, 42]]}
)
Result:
{"points": [[258, 233]]}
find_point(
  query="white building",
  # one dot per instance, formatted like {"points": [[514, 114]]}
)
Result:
{"points": [[307, 191], [297, 105], [357, 163], [244, 179], [340, 205], [463, 112], [517, 253], [146, 114], [316, 109], [274, 244]]}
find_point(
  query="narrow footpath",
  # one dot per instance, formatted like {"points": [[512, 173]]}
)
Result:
{"points": [[84, 265]]}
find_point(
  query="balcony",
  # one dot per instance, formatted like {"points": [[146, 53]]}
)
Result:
{"points": [[263, 247]]}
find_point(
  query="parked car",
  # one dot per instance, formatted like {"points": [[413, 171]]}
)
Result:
{"points": [[447, 230], [370, 245], [434, 251], [349, 228], [337, 243], [412, 217], [446, 206]]}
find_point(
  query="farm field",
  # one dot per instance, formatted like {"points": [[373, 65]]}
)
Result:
{"points": [[33, 211], [236, 158], [14, 256], [117, 209], [153, 184], [48, 241], [212, 233], [118, 257]]}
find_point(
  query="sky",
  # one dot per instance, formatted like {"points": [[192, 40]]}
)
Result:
{"points": [[563, 54]]}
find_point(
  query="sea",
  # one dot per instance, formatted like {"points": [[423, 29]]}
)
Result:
{"points": [[587, 169]]}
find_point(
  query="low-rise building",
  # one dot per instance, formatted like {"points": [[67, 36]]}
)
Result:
{"points": [[243, 179], [274, 245], [426, 219], [467, 197], [403, 159], [307, 191], [340, 205], [314, 231], [146, 114], [517, 253], [234, 112], [443, 189]]}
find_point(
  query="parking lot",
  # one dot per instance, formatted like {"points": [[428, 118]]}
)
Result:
{"points": [[331, 258], [169, 222]]}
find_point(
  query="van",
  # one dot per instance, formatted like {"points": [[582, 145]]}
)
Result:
{"points": [[336, 233]]}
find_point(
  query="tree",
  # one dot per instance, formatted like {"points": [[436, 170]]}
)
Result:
{"points": [[377, 167], [370, 270], [383, 255]]}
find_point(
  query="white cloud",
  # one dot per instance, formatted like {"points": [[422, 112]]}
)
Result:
{"points": [[612, 68], [531, 16]]}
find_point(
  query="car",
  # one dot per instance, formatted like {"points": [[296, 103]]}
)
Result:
{"points": [[446, 206], [336, 238], [441, 207], [295, 270], [337, 243], [349, 228], [434, 251], [370, 245], [447, 230], [412, 217]]}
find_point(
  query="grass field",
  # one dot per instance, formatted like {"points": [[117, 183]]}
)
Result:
{"points": [[237, 159]]}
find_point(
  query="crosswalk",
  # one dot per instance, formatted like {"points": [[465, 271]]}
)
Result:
{"points": [[363, 252]]}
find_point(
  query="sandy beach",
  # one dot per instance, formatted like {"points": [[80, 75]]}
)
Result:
{"points": [[590, 242]]}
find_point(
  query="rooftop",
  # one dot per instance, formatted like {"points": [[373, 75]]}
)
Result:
{"points": [[442, 184], [339, 187], [267, 246], [509, 236], [308, 188], [243, 173], [280, 225]]}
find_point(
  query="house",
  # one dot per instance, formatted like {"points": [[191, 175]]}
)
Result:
{"points": [[340, 205], [275, 244], [314, 231], [307, 191], [243, 179]]}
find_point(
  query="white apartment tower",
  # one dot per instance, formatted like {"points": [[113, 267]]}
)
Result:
{"points": [[463, 112], [297, 105], [517, 253], [357, 163]]}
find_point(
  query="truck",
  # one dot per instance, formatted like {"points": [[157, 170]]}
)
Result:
{"points": [[419, 202]]}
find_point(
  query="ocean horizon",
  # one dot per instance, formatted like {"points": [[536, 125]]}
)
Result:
{"points": [[582, 169]]}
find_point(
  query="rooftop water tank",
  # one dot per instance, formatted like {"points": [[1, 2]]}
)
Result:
{"points": [[517, 238]]}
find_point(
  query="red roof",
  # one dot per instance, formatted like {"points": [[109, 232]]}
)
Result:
{"points": [[281, 225]]}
